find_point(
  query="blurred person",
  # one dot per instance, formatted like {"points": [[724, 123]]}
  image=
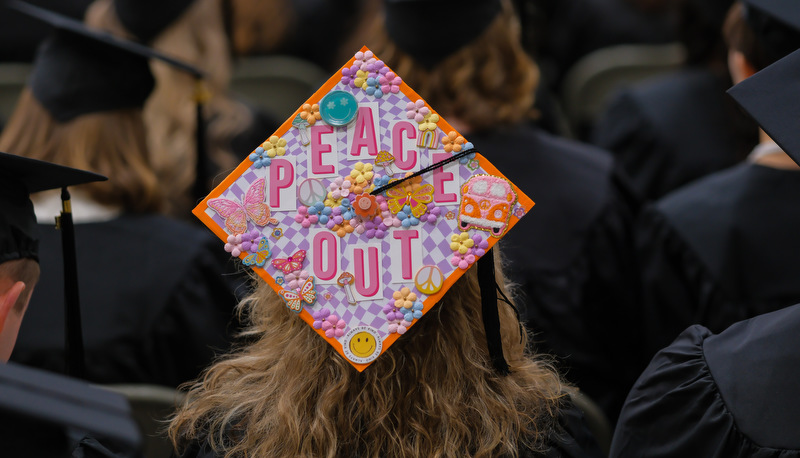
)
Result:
{"points": [[731, 393], [572, 259], [559, 34], [45, 415], [192, 31], [670, 130], [156, 304], [721, 249]]}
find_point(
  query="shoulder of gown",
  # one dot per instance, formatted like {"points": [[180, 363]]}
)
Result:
{"points": [[731, 395], [670, 130]]}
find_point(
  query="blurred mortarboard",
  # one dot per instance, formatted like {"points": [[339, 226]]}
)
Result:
{"points": [[98, 71], [431, 30], [146, 19], [19, 177], [45, 414], [776, 23], [772, 98]]}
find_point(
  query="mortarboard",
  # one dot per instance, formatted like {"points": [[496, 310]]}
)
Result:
{"points": [[772, 98], [44, 413], [363, 209], [776, 23], [405, 19], [22, 176], [19, 177], [99, 71]]}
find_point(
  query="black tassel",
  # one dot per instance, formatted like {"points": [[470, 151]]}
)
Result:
{"points": [[491, 317]]}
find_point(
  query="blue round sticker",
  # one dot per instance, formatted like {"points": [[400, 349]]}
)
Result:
{"points": [[338, 108]]}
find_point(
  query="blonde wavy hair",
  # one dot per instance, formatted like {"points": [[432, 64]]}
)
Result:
{"points": [[433, 393], [488, 82], [112, 143], [198, 38]]}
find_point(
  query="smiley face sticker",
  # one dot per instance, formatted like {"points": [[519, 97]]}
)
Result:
{"points": [[362, 344]]}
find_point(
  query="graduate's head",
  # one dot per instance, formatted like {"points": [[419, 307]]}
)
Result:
{"points": [[760, 32], [82, 108], [290, 390], [19, 242], [90, 114], [464, 58]]}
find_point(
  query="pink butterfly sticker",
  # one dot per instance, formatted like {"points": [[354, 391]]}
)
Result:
{"points": [[294, 300], [290, 264], [236, 214]]}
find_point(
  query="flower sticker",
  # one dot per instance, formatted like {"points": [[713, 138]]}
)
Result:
{"points": [[274, 146], [366, 206], [310, 113], [390, 83], [349, 75], [468, 157], [331, 324], [373, 87], [363, 59], [417, 111], [452, 142], [260, 158], [429, 123], [361, 176], [338, 190], [305, 218]]}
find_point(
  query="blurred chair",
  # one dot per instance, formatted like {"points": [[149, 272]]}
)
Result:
{"points": [[278, 83], [594, 78], [13, 76], [152, 405], [596, 420]]}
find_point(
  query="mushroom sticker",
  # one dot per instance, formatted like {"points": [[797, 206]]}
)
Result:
{"points": [[385, 159], [345, 280]]}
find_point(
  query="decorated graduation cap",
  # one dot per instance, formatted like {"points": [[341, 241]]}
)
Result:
{"points": [[19, 177], [772, 98], [406, 18], [98, 71], [776, 23], [43, 414], [363, 209]]}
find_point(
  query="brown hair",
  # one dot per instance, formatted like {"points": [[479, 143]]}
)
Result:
{"points": [[197, 38], [111, 143], [739, 36], [488, 82], [24, 270], [432, 393]]}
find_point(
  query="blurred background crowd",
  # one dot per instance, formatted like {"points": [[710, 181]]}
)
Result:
{"points": [[659, 202]]}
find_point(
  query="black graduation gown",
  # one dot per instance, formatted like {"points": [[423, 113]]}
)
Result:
{"points": [[721, 250], [155, 305], [571, 438], [728, 395], [572, 257], [47, 415], [671, 130]]}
